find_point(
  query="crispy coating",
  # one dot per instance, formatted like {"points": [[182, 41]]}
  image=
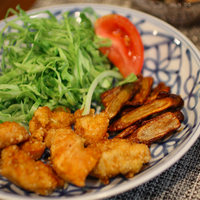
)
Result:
{"points": [[46, 120], [24, 171], [119, 156], [34, 124], [12, 133], [35, 145], [49, 134], [79, 113], [70, 159], [43, 115], [60, 119], [92, 128]]}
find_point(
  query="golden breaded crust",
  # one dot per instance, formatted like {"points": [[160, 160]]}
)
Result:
{"points": [[49, 134], [12, 133], [35, 145], [34, 124], [92, 128], [119, 156], [70, 159], [24, 171], [43, 115], [60, 119]]}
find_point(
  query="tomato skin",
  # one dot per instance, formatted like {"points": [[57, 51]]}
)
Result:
{"points": [[127, 51]]}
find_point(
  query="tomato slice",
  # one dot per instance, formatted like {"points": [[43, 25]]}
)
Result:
{"points": [[127, 51]]}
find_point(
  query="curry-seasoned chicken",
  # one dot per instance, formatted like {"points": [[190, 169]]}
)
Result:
{"points": [[12, 133], [70, 159], [92, 128], [119, 156], [20, 168]]}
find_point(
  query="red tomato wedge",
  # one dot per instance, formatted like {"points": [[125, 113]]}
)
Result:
{"points": [[127, 51]]}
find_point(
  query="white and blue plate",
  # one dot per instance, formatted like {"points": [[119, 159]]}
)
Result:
{"points": [[169, 57]]}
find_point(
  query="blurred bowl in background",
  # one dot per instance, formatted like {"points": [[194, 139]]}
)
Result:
{"points": [[175, 13]]}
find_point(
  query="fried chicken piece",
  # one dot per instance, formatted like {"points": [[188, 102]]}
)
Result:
{"points": [[35, 145], [49, 134], [70, 159], [119, 156], [34, 124], [46, 120], [92, 128], [41, 118], [12, 133], [21, 169], [43, 115], [79, 113], [60, 119]]}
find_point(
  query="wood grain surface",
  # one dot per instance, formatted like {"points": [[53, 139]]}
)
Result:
{"points": [[6, 4]]}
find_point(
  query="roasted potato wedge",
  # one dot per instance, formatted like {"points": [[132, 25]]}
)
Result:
{"points": [[179, 115], [143, 93], [156, 128], [160, 87], [126, 92], [142, 112], [128, 131], [107, 96]]}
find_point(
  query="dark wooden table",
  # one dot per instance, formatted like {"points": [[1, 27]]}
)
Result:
{"points": [[6, 4]]}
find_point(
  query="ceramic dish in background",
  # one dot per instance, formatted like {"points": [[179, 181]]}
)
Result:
{"points": [[181, 13], [169, 57]]}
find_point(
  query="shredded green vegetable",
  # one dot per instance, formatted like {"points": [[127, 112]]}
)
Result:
{"points": [[51, 62]]}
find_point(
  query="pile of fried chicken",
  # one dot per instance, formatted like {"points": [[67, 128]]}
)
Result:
{"points": [[136, 114]]}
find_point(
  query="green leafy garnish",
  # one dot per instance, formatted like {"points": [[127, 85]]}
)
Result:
{"points": [[51, 62]]}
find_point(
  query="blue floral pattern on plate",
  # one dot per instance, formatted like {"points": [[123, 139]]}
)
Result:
{"points": [[169, 57]]}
